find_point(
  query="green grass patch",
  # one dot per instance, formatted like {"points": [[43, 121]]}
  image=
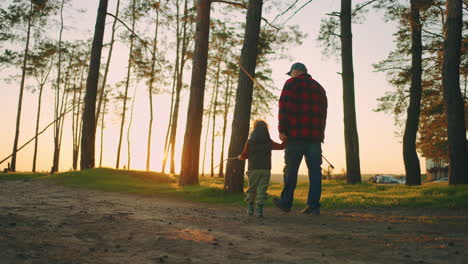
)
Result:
{"points": [[20, 176], [335, 194]]}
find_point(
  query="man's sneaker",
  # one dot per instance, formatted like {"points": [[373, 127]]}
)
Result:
{"points": [[250, 208], [277, 203], [309, 211]]}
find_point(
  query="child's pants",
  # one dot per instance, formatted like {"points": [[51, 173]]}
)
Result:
{"points": [[259, 180]]}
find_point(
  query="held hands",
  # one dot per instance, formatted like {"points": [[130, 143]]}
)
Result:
{"points": [[283, 137]]}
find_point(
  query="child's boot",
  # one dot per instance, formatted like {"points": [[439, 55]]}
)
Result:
{"points": [[250, 208], [260, 210]]}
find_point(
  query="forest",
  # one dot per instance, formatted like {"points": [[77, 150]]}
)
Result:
{"points": [[222, 62], [123, 123]]}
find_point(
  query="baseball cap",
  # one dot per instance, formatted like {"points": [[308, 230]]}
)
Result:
{"points": [[297, 66]]}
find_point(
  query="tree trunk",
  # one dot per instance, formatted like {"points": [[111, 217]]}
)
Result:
{"points": [[167, 142], [353, 170], [57, 97], [213, 131], [61, 120], [234, 180], [36, 141], [454, 104], [179, 84], [130, 127], [227, 101], [412, 167], [20, 99], [150, 91], [89, 112], [124, 109], [191, 147], [74, 151], [78, 121], [106, 70], [102, 129], [206, 136]]}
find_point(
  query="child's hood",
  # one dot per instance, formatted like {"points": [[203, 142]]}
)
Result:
{"points": [[260, 134]]}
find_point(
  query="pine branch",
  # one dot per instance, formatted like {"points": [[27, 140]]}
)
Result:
{"points": [[245, 7], [145, 44]]}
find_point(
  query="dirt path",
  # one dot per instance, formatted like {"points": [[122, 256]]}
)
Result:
{"points": [[41, 222]]}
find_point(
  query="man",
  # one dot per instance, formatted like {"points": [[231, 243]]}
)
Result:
{"points": [[302, 118]]}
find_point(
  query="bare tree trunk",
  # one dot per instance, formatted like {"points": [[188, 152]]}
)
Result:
{"points": [[167, 142], [39, 102], [78, 120], [454, 103], [234, 180], [150, 90], [353, 169], [227, 104], [117, 163], [61, 121], [191, 147], [129, 127], [179, 84], [412, 167], [89, 113], [206, 136], [213, 131], [20, 98], [74, 151], [102, 129], [57, 97], [109, 56]]}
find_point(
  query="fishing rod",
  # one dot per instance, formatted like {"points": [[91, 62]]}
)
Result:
{"points": [[234, 158], [327, 161]]}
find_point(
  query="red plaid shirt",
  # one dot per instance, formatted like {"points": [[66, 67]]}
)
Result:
{"points": [[303, 109]]}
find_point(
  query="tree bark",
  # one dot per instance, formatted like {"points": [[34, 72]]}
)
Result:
{"points": [[89, 112], [191, 147], [167, 141], [411, 160], [102, 128], [150, 90], [130, 127], [127, 83], [36, 141], [454, 104], [206, 136], [57, 98], [109, 56], [234, 180], [353, 169], [227, 101], [20, 98], [179, 84], [215, 103]]}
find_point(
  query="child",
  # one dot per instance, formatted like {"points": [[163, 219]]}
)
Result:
{"points": [[258, 150]]}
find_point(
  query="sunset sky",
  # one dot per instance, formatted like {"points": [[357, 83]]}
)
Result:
{"points": [[380, 149]]}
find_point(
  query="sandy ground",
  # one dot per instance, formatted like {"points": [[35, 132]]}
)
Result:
{"points": [[41, 222]]}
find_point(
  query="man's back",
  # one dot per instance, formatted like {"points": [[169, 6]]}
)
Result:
{"points": [[303, 109]]}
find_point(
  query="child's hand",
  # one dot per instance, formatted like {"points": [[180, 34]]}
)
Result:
{"points": [[283, 137]]}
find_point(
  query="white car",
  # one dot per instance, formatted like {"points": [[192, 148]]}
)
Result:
{"points": [[388, 179]]}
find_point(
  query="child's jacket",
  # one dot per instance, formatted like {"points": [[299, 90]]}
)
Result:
{"points": [[258, 149]]}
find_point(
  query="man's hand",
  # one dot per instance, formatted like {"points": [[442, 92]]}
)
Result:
{"points": [[240, 157], [283, 137]]}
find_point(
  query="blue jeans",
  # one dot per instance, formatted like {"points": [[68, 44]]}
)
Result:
{"points": [[295, 150]]}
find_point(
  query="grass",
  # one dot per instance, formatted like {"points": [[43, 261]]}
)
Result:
{"points": [[335, 194], [26, 176]]}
